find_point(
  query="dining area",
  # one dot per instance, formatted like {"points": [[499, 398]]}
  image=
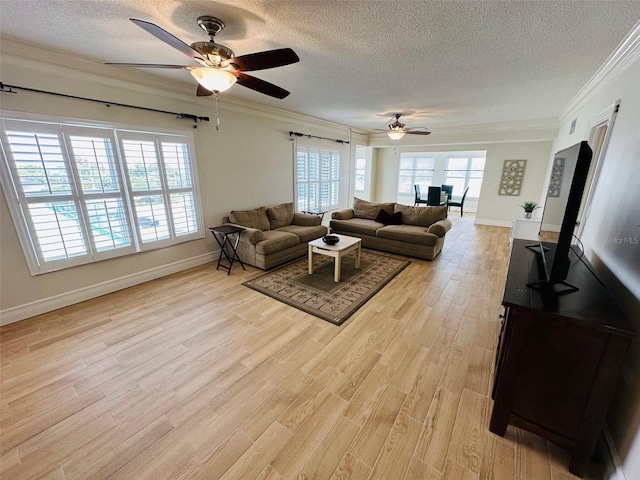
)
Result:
{"points": [[438, 196]]}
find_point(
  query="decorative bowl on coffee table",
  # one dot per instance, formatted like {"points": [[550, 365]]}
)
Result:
{"points": [[330, 239]]}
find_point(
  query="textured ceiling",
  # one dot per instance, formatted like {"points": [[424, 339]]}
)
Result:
{"points": [[445, 63]]}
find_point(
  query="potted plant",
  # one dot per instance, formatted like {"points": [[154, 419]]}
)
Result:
{"points": [[529, 207]]}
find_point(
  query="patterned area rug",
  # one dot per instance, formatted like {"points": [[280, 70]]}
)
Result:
{"points": [[319, 295]]}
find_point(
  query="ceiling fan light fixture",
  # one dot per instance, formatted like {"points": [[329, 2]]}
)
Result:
{"points": [[214, 79], [396, 133]]}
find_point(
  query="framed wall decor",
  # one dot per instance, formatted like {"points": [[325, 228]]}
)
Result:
{"points": [[512, 176], [557, 171]]}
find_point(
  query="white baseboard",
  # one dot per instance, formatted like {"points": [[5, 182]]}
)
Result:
{"points": [[494, 223], [613, 467], [28, 310]]}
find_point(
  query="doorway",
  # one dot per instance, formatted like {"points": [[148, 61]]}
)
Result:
{"points": [[599, 135]]}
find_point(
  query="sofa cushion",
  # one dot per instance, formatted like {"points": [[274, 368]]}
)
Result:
{"points": [[306, 219], [305, 233], [408, 234], [370, 210], [358, 226], [255, 218], [280, 215], [384, 217], [421, 216], [276, 240]]}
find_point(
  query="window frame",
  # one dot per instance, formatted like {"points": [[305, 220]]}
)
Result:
{"points": [[84, 203], [414, 156]]}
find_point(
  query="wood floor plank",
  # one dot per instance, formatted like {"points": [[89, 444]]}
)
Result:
{"points": [[498, 458], [397, 451], [38, 463], [222, 457], [367, 396], [419, 470], [532, 459], [113, 452], [350, 468], [366, 447], [465, 447], [327, 456], [433, 444], [260, 454], [308, 435]]}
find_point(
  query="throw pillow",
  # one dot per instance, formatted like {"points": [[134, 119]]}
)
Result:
{"points": [[365, 209], [393, 219], [256, 218], [421, 216], [280, 215]]}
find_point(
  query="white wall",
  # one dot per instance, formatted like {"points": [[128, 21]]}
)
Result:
{"points": [[611, 235], [247, 163]]}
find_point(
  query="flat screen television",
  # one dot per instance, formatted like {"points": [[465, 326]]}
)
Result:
{"points": [[562, 205]]}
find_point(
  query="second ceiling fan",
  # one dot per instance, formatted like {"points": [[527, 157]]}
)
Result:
{"points": [[218, 67], [397, 129]]}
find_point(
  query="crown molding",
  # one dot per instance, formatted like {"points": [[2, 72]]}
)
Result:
{"points": [[627, 52], [545, 129]]}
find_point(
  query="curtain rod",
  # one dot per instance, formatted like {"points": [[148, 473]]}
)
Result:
{"points": [[298, 134], [4, 88]]}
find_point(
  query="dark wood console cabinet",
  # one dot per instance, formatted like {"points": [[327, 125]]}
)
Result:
{"points": [[559, 357]]}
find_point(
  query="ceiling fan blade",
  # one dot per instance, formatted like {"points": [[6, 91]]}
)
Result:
{"points": [[264, 60], [261, 86], [203, 92], [150, 65], [167, 38], [418, 131]]}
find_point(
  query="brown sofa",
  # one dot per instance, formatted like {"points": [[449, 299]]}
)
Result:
{"points": [[274, 235], [395, 228]]}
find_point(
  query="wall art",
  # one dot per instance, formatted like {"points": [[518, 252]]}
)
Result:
{"points": [[555, 184], [512, 176]]}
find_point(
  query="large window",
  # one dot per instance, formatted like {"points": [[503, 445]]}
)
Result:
{"points": [[360, 174], [317, 178], [463, 172], [415, 168], [84, 194]]}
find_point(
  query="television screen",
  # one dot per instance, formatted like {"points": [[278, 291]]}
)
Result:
{"points": [[568, 179]]}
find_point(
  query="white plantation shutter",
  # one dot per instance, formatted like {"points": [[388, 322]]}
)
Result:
{"points": [[317, 178], [101, 192], [75, 200]]}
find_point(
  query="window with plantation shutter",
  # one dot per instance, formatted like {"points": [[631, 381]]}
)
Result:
{"points": [[317, 178], [83, 194]]}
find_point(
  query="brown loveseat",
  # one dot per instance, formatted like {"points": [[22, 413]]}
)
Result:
{"points": [[274, 235], [393, 227]]}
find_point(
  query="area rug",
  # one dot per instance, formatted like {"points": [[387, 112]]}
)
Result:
{"points": [[319, 295]]}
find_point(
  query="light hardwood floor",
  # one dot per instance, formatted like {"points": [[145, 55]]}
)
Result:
{"points": [[195, 376]]}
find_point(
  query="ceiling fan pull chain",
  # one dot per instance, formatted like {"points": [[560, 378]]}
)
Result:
{"points": [[217, 115]]}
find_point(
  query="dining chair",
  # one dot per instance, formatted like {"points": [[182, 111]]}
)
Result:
{"points": [[418, 199], [449, 190], [434, 196], [461, 202]]}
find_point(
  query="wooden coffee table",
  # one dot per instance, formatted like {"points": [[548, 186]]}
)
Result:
{"points": [[337, 251]]}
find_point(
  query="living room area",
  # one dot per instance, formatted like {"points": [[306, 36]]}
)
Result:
{"points": [[153, 364]]}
